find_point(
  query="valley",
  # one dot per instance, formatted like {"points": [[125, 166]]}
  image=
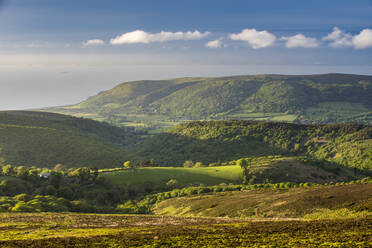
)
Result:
{"points": [[123, 166]]}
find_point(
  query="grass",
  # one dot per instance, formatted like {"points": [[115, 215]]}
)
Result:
{"points": [[248, 115], [82, 230], [313, 202], [183, 176]]}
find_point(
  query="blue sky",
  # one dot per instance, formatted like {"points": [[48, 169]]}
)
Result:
{"points": [[55, 52]]}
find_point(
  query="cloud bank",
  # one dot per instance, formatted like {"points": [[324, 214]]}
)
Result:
{"points": [[339, 39], [256, 39], [300, 40], [140, 36], [95, 42]]}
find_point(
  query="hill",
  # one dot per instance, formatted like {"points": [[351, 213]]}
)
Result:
{"points": [[313, 202], [327, 98], [212, 141], [46, 139]]}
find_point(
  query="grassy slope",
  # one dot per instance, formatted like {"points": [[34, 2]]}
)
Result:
{"points": [[274, 170], [44, 139], [295, 202], [302, 98]]}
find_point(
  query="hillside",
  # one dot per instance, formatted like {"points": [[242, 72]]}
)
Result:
{"points": [[209, 142], [262, 170], [327, 98], [46, 139], [310, 202]]}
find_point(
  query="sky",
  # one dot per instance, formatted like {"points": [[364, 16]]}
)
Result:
{"points": [[59, 52]]}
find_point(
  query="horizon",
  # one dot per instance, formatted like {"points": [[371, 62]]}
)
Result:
{"points": [[55, 53]]}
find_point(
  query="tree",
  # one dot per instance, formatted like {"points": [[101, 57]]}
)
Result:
{"points": [[55, 179], [242, 163], [59, 168], [296, 147], [245, 164], [21, 171], [188, 164], [82, 173], [22, 207], [66, 192], [8, 170], [95, 173], [128, 165], [172, 183], [198, 165]]}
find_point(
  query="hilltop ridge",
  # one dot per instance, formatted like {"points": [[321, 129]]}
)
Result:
{"points": [[323, 98]]}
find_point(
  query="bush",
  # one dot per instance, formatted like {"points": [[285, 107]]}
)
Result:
{"points": [[22, 207]]}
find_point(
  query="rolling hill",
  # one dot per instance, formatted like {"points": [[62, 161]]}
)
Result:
{"points": [[212, 141], [46, 139], [327, 98]]}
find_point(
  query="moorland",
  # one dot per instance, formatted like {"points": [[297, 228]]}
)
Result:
{"points": [[265, 160]]}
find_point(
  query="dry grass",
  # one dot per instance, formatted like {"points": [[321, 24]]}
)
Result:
{"points": [[295, 202]]}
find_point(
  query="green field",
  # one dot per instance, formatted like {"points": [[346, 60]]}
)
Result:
{"points": [[183, 176], [248, 115], [82, 230]]}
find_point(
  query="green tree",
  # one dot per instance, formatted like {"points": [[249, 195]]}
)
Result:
{"points": [[22, 207], [82, 173], [66, 192], [8, 170], [55, 179], [59, 168], [245, 164], [188, 164], [21, 172], [198, 165], [128, 165]]}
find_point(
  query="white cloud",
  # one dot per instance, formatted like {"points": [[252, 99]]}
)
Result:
{"points": [[300, 40], [339, 38], [256, 39], [214, 44], [95, 42], [140, 36], [363, 39]]}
